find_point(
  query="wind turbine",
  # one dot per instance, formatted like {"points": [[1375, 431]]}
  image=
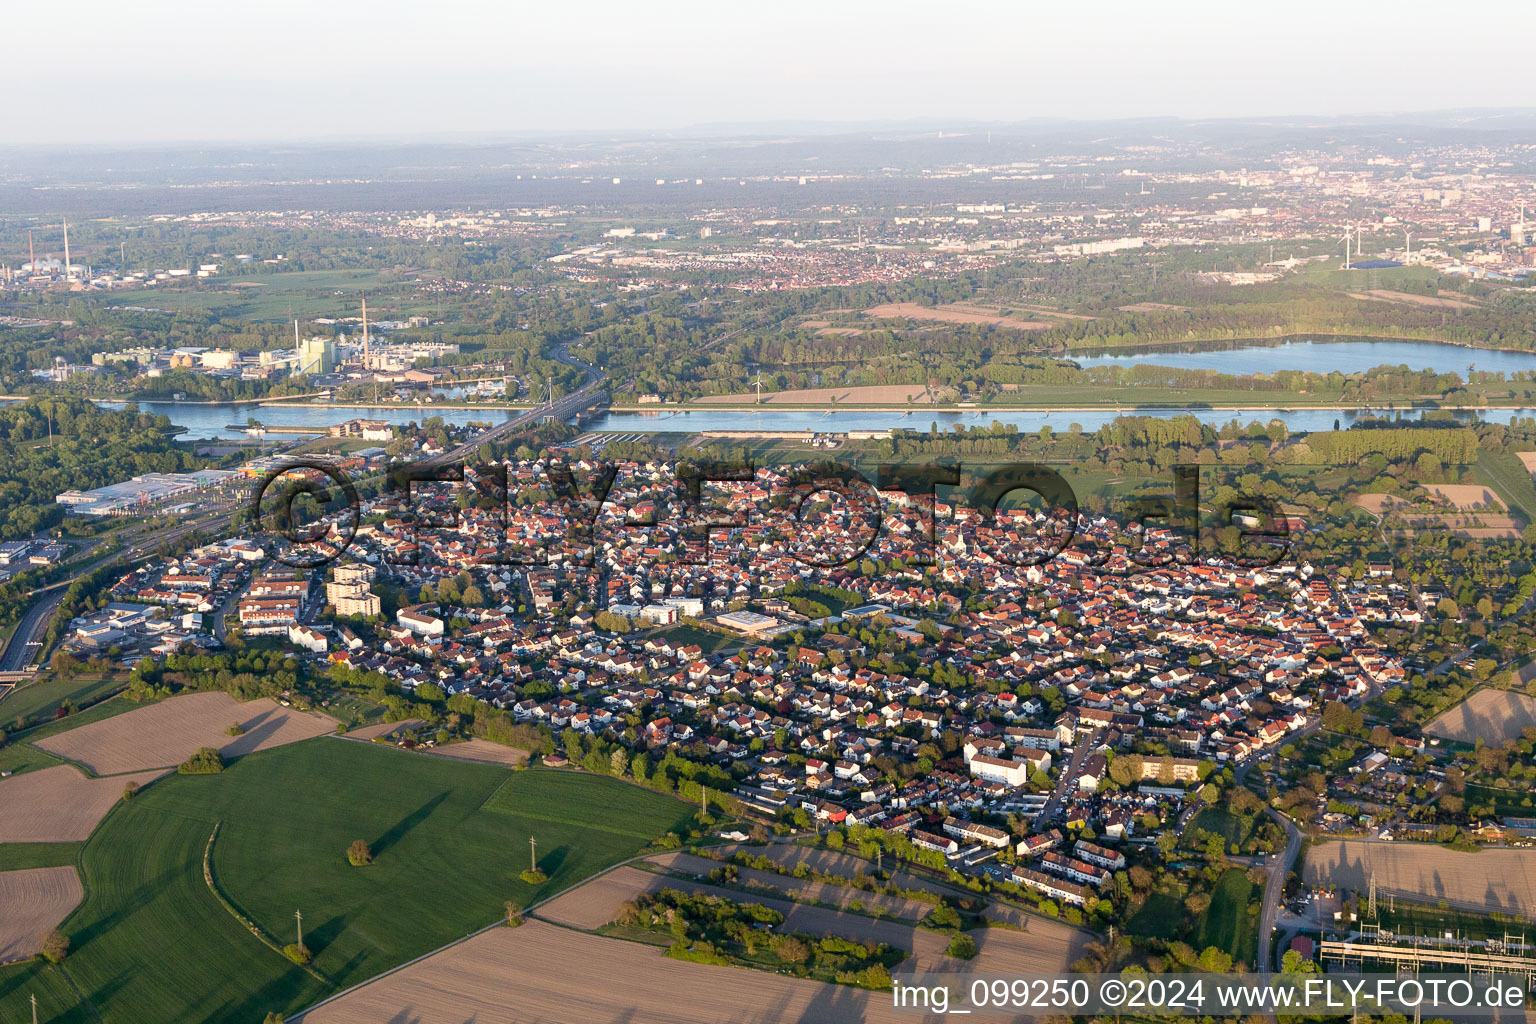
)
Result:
{"points": [[759, 388]]}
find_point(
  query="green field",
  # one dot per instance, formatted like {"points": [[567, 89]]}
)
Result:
{"points": [[16, 856], [1227, 924], [56, 1002], [151, 942], [280, 297], [20, 756], [1508, 476], [39, 700]]}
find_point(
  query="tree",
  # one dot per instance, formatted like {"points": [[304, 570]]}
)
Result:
{"points": [[791, 949], [961, 947], [207, 761], [514, 913], [55, 946], [359, 853]]}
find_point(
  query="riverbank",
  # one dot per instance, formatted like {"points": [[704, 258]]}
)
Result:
{"points": [[1427, 405]]}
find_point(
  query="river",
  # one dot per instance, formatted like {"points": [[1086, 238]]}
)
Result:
{"points": [[205, 422], [212, 421], [1319, 356]]}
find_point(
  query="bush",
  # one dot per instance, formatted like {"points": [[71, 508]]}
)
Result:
{"points": [[207, 761], [533, 876], [514, 913], [299, 954], [55, 946], [130, 791], [235, 730], [941, 918], [961, 947], [359, 853]]}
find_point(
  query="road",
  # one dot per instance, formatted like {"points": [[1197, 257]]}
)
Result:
{"points": [[24, 645], [1274, 890], [1276, 868], [1069, 774]]}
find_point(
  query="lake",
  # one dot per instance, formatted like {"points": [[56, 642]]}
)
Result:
{"points": [[1319, 356]]}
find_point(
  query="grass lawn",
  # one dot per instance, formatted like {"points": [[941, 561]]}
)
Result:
{"points": [[151, 942], [39, 700], [1227, 924], [16, 856], [1234, 829], [56, 1003], [1518, 803], [710, 642], [1163, 914], [354, 710]]}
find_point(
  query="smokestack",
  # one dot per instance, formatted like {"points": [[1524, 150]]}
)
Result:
{"points": [[295, 335], [68, 275], [365, 328], [31, 254]]}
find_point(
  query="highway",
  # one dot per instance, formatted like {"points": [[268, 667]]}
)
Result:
{"points": [[589, 394], [22, 649]]}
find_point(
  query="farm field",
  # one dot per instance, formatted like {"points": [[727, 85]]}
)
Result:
{"points": [[956, 313], [1490, 715], [382, 729], [1484, 881], [15, 856], [270, 296], [1509, 476], [59, 804], [41, 699], [1466, 496], [843, 864], [445, 859], [483, 751], [597, 903], [56, 1004], [32, 902], [864, 394], [164, 734], [19, 755], [821, 892], [515, 975]]}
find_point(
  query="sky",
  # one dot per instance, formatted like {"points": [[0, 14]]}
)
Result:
{"points": [[173, 70]]}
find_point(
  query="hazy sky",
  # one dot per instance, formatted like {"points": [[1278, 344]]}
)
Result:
{"points": [[107, 70]]}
